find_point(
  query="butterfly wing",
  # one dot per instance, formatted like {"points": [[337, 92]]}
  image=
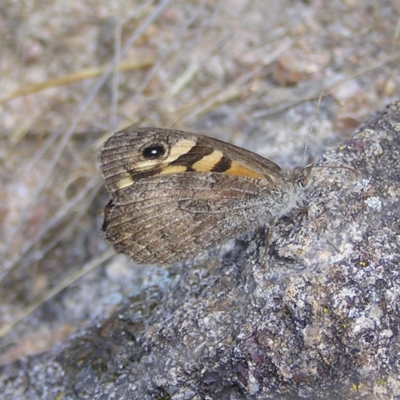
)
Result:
{"points": [[168, 219], [175, 194]]}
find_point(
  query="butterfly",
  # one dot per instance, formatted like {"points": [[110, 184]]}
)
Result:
{"points": [[175, 194]]}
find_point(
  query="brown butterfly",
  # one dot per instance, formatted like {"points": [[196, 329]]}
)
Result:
{"points": [[175, 194]]}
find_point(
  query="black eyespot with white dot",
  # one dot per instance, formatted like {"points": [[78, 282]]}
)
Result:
{"points": [[154, 152]]}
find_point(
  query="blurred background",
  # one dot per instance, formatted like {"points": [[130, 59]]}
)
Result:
{"points": [[72, 73]]}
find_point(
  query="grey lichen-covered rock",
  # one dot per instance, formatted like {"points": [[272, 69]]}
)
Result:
{"points": [[315, 316]]}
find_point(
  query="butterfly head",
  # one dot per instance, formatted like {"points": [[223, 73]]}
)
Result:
{"points": [[301, 176]]}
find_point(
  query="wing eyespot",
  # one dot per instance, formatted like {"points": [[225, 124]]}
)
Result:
{"points": [[154, 151]]}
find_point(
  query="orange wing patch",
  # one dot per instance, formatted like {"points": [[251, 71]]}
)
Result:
{"points": [[238, 169]]}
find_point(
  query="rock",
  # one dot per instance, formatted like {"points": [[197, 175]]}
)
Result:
{"points": [[315, 316]]}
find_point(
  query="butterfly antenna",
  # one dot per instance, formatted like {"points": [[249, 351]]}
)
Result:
{"points": [[311, 129], [309, 167]]}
